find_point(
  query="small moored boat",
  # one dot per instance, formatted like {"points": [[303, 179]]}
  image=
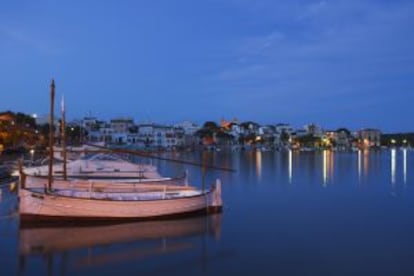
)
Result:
{"points": [[69, 204]]}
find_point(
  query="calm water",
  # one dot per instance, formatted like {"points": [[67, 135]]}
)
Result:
{"points": [[289, 213]]}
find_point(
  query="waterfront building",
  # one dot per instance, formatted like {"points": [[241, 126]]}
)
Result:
{"points": [[314, 130], [105, 132], [368, 138], [159, 136], [189, 127], [235, 130], [284, 133], [286, 128], [165, 137], [343, 139], [299, 133], [249, 128], [145, 135], [89, 123], [133, 139], [267, 136], [97, 131], [120, 129], [121, 125]]}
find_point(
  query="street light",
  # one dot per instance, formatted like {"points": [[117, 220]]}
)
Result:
{"points": [[32, 152]]}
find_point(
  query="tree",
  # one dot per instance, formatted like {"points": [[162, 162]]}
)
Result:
{"points": [[25, 120], [284, 136], [308, 140], [208, 130], [211, 125]]}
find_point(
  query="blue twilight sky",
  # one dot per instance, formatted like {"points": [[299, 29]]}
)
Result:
{"points": [[332, 62]]}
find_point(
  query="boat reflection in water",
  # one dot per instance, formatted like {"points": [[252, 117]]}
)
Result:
{"points": [[115, 243]]}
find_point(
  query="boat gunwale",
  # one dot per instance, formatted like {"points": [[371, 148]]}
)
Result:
{"points": [[104, 177]]}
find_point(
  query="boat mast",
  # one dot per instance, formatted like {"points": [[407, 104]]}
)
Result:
{"points": [[64, 139], [51, 135]]}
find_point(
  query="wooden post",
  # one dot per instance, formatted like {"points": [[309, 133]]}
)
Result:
{"points": [[51, 135], [22, 175]]}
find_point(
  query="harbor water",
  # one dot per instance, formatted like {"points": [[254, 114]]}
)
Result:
{"points": [[285, 213]]}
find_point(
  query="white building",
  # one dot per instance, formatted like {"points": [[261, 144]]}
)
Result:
{"points": [[92, 127], [106, 133], [189, 127], [90, 123], [283, 135], [314, 130], [368, 137], [121, 125], [119, 129], [286, 128], [160, 136], [235, 130], [164, 136]]}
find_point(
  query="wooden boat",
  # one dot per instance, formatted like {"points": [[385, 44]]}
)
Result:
{"points": [[69, 204], [101, 166]]}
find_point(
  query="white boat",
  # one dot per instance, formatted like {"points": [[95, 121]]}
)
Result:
{"points": [[70, 204], [101, 166]]}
